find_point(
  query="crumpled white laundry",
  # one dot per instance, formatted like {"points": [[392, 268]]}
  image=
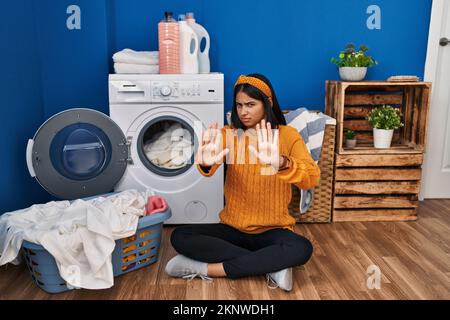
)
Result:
{"points": [[171, 149], [136, 57], [80, 235]]}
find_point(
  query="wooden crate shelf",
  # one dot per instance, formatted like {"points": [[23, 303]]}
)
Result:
{"points": [[377, 174], [368, 202], [375, 215], [350, 102], [377, 184], [379, 160], [376, 187]]}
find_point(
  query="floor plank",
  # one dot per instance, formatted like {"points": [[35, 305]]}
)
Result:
{"points": [[413, 257]]}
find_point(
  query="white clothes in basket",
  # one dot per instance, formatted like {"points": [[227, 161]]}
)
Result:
{"points": [[80, 235]]}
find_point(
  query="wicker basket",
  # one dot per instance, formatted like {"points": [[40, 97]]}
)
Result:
{"points": [[321, 209]]}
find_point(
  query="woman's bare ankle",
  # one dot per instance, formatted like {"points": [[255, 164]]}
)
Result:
{"points": [[216, 270]]}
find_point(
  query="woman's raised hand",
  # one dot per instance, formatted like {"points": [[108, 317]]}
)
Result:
{"points": [[267, 151], [210, 149]]}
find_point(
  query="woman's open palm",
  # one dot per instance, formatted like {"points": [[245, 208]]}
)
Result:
{"points": [[267, 151], [211, 150]]}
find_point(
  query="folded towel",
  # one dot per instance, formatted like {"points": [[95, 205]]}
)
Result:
{"points": [[135, 68], [137, 57], [311, 127]]}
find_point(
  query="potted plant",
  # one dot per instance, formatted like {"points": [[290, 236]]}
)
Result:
{"points": [[353, 64], [384, 120], [350, 139]]}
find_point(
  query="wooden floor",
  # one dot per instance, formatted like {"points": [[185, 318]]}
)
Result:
{"points": [[414, 259]]}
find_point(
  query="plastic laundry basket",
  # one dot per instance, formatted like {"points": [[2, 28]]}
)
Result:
{"points": [[132, 253]]}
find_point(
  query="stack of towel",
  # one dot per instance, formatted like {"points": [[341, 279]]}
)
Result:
{"points": [[130, 61], [171, 149]]}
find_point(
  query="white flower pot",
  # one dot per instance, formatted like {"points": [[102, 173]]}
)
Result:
{"points": [[352, 73], [382, 138]]}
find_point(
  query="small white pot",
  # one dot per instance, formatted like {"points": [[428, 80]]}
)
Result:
{"points": [[382, 138], [350, 144], [352, 73]]}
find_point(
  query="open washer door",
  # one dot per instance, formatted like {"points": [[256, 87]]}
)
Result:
{"points": [[78, 153]]}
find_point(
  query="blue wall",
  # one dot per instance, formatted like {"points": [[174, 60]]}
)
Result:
{"points": [[74, 62], [21, 104], [291, 42], [50, 68]]}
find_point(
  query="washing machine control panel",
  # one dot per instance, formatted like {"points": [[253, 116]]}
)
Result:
{"points": [[186, 91]]}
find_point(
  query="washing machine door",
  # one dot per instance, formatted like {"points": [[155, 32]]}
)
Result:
{"points": [[78, 153]]}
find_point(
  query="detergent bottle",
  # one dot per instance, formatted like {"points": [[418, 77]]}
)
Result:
{"points": [[188, 47], [202, 34], [169, 44]]}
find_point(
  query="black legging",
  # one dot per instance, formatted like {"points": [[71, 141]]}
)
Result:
{"points": [[242, 254]]}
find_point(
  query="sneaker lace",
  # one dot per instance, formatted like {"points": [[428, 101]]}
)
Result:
{"points": [[272, 284], [198, 274]]}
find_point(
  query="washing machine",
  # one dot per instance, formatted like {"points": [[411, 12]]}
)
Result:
{"points": [[144, 106], [82, 152]]}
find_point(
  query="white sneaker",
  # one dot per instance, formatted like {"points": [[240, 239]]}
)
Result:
{"points": [[183, 267], [281, 279]]}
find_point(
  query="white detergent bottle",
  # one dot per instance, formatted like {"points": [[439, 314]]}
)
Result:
{"points": [[203, 55], [188, 47]]}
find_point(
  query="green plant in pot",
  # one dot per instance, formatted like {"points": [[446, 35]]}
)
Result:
{"points": [[350, 139], [353, 63], [384, 120]]}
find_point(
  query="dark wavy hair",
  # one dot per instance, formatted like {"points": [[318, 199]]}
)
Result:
{"points": [[273, 112]]}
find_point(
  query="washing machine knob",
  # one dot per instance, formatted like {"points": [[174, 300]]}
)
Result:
{"points": [[165, 91]]}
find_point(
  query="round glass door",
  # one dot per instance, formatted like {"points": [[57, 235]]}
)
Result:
{"points": [[166, 146], [80, 151]]}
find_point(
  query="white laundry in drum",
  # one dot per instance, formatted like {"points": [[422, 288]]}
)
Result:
{"points": [[171, 149]]}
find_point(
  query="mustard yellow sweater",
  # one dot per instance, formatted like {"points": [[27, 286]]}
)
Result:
{"points": [[256, 202]]}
